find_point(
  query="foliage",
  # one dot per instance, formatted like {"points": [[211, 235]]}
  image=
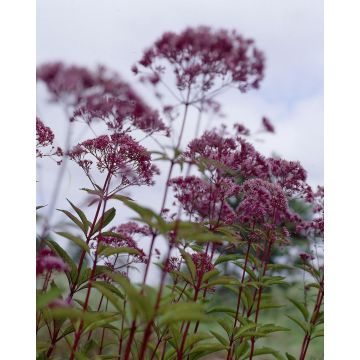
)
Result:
{"points": [[234, 214]]}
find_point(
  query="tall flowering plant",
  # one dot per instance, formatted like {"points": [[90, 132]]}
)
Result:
{"points": [[230, 207]]}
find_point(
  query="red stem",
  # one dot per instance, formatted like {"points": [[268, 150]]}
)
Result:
{"points": [[238, 302], [93, 270]]}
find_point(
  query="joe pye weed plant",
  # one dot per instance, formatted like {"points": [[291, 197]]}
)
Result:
{"points": [[223, 219]]}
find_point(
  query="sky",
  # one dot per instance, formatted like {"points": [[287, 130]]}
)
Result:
{"points": [[115, 32]]}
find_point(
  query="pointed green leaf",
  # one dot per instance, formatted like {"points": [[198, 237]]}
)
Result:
{"points": [[75, 239]]}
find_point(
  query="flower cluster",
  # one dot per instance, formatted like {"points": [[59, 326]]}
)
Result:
{"points": [[305, 257], [126, 237], [262, 203], [204, 200], [291, 177], [315, 227], [120, 115], [44, 141], [227, 154], [202, 263], [76, 84], [99, 94], [120, 155], [203, 59], [46, 260], [172, 264]]}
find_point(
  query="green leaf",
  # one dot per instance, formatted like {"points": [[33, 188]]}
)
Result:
{"points": [[121, 197], [93, 192], [226, 258], [74, 219], [225, 324], [244, 329], [298, 322], [110, 295], [139, 303], [222, 280], [43, 299], [199, 351], [190, 264], [266, 351], [318, 333], [301, 307], [221, 309], [104, 220], [64, 255], [290, 357], [75, 239], [108, 251], [196, 338], [210, 274], [183, 311], [270, 328], [220, 338], [82, 216]]}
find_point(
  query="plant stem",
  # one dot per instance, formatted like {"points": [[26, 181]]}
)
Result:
{"points": [[238, 303]]}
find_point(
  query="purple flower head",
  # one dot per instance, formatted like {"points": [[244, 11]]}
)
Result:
{"points": [[120, 116], [268, 126], [202, 263], [48, 261], [44, 141], [241, 129], [223, 154], [118, 154], [315, 227], [204, 60], [172, 264], [61, 303], [128, 236], [291, 177], [204, 200], [74, 84], [263, 203], [306, 257], [44, 135]]}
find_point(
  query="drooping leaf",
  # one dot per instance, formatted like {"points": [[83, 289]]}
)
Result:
{"points": [[75, 239], [265, 351], [301, 324], [104, 220], [64, 256], [44, 298], [290, 357], [301, 307], [74, 219], [108, 251], [86, 223]]}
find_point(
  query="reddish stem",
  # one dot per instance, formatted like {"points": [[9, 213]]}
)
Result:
{"points": [[238, 303]]}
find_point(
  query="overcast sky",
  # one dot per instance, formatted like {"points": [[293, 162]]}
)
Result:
{"points": [[115, 32]]}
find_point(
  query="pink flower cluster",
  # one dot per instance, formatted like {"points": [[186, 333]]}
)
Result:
{"points": [[262, 203], [127, 238], [44, 141], [203, 59], [118, 154], [46, 260], [120, 115], [75, 84], [202, 263], [227, 154], [315, 227], [291, 177], [206, 201]]}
